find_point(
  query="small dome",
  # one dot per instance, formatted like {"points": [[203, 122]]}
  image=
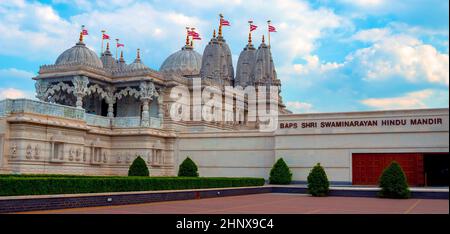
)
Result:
{"points": [[79, 54], [107, 59], [184, 62], [137, 64]]}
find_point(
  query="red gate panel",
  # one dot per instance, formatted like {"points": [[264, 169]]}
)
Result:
{"points": [[367, 167]]}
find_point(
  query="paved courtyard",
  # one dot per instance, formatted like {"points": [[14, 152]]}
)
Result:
{"points": [[273, 203]]}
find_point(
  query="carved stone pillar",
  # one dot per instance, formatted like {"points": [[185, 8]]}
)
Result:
{"points": [[146, 92], [145, 119], [111, 100], [80, 87]]}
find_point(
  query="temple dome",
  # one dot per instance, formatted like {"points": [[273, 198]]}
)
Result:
{"points": [[138, 64], [185, 62], [79, 54]]}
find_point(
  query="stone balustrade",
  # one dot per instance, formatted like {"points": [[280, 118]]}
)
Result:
{"points": [[14, 106]]}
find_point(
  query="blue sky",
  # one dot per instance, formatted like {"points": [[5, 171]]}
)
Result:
{"points": [[340, 55]]}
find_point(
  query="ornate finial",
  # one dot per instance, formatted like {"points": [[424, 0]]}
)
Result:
{"points": [[192, 43], [107, 46], [263, 39], [81, 37], [121, 55], [187, 36], [214, 34], [220, 24], [249, 38], [138, 56]]}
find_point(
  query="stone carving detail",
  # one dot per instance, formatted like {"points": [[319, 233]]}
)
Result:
{"points": [[127, 92], [29, 152], [147, 90], [51, 92], [71, 154], [41, 89], [78, 154], [37, 152], [13, 150], [80, 89]]}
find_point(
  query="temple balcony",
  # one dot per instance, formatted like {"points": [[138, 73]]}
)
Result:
{"points": [[10, 107]]}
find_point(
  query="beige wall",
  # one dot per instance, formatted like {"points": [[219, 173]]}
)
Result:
{"points": [[217, 153], [253, 153]]}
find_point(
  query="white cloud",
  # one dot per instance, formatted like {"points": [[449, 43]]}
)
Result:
{"points": [[418, 99], [364, 3], [393, 56], [13, 93], [299, 107], [9, 73]]}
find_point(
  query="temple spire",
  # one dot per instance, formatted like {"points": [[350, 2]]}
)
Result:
{"points": [[214, 34], [138, 55], [263, 41]]}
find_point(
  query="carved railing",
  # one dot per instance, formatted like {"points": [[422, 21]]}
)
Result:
{"points": [[126, 122], [97, 120], [12, 106], [9, 106]]}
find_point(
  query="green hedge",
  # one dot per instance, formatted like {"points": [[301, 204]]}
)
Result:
{"points": [[40, 185]]}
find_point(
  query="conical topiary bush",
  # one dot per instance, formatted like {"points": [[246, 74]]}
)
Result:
{"points": [[138, 168], [318, 184], [188, 168], [393, 182], [280, 173]]}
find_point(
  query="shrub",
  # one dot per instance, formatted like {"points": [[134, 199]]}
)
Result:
{"points": [[138, 168], [318, 184], [280, 173], [188, 168], [393, 182], [27, 185]]}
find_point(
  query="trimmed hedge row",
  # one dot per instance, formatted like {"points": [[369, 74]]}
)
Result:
{"points": [[40, 185]]}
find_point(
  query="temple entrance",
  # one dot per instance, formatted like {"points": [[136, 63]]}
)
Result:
{"points": [[436, 169]]}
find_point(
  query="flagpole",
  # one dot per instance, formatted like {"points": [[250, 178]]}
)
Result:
{"points": [[192, 41], [250, 33], [220, 24], [103, 32], [117, 42], [268, 24]]}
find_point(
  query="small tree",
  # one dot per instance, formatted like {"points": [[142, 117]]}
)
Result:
{"points": [[318, 184], [393, 182], [188, 168], [280, 173], [138, 168]]}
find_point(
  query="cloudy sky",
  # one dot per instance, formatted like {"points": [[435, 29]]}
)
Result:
{"points": [[331, 55]]}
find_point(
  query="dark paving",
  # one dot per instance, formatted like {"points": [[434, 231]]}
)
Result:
{"points": [[273, 203]]}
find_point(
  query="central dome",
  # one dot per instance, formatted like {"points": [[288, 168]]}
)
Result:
{"points": [[185, 62], [79, 54]]}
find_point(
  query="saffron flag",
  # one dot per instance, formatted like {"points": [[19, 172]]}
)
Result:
{"points": [[84, 32], [193, 33], [105, 37], [272, 29], [253, 27], [224, 22], [120, 45]]}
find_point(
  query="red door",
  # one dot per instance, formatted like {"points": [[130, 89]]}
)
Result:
{"points": [[367, 167]]}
